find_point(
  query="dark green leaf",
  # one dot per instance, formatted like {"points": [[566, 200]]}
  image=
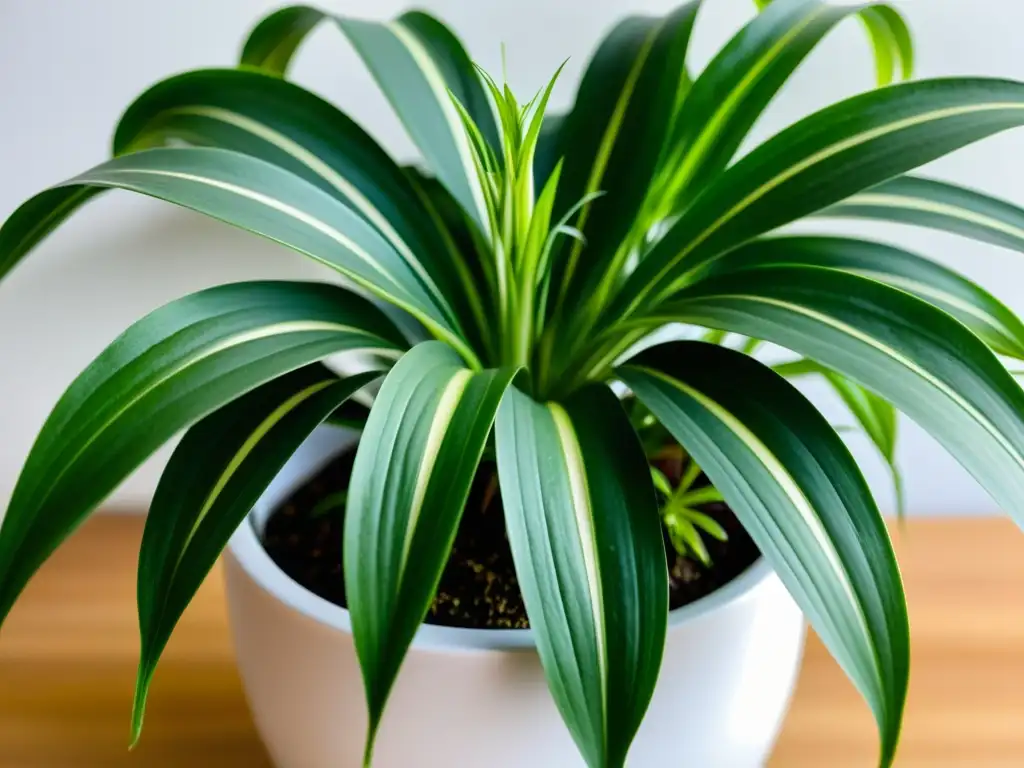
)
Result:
{"points": [[165, 372], [217, 473], [935, 204], [267, 200], [416, 461], [903, 349], [827, 157], [583, 523], [277, 121], [972, 305], [797, 490]]}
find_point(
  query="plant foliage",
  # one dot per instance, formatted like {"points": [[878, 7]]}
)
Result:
{"points": [[521, 270]]}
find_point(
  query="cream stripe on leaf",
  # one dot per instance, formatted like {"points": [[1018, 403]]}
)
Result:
{"points": [[797, 490], [166, 371], [277, 121], [612, 142], [935, 204], [823, 159], [419, 64], [926, 363], [216, 474], [419, 452], [582, 521], [267, 200], [996, 324], [736, 87]]}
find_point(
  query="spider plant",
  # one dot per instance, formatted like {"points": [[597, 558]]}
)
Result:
{"points": [[501, 291]]}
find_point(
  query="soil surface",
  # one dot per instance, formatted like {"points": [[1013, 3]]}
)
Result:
{"points": [[478, 588]]}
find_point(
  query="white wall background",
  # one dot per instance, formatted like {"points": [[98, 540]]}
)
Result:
{"points": [[69, 67]]}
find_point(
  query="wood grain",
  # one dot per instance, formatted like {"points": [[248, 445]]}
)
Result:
{"points": [[69, 649]]}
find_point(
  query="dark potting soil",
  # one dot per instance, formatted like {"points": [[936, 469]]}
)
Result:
{"points": [[478, 588]]}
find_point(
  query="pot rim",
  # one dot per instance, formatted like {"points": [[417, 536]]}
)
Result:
{"points": [[249, 553]]}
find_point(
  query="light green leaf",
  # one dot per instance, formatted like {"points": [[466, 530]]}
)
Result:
{"points": [[797, 490], [972, 305], [892, 42], [166, 371], [262, 198], [827, 157], [419, 65], [413, 469], [906, 351], [929, 203], [584, 527], [274, 120], [217, 473]]}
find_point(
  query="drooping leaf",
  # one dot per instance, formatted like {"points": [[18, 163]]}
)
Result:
{"points": [[877, 417], [169, 369], [413, 469], [797, 490], [274, 120], [583, 524], [737, 86], [842, 150], [217, 473], [890, 39], [262, 198], [972, 305], [419, 64], [923, 361], [947, 207]]}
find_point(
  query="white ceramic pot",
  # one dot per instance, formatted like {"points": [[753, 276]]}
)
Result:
{"points": [[468, 698]]}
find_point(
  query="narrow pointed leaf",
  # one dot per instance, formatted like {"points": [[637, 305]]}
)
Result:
{"points": [[738, 85], [877, 417], [935, 204], [416, 461], [279, 122], [265, 199], [613, 138], [166, 371], [923, 361], [994, 322], [827, 157], [797, 490], [418, 64], [217, 473], [583, 523]]}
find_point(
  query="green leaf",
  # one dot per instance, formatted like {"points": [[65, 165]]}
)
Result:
{"points": [[419, 65], [892, 42], [274, 40], [217, 473], [169, 369], [827, 157], [797, 490], [584, 527], [877, 417], [972, 305], [612, 142], [906, 351], [737, 86], [267, 200], [938, 205], [413, 469], [277, 121]]}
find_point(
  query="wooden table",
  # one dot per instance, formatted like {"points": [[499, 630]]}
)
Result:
{"points": [[68, 655]]}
